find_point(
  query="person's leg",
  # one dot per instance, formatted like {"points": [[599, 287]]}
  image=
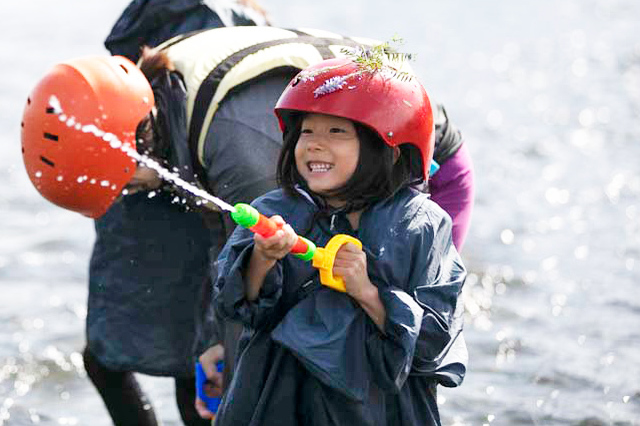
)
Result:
{"points": [[185, 398], [126, 402]]}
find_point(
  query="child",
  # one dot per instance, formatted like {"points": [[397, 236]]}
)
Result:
{"points": [[358, 134]]}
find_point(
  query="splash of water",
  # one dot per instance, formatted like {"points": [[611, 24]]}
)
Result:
{"points": [[115, 143]]}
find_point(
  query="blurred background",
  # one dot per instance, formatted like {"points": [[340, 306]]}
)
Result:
{"points": [[547, 94]]}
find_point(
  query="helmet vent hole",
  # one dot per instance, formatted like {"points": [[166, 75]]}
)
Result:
{"points": [[50, 110], [124, 68], [51, 137], [47, 161], [22, 124], [28, 101]]}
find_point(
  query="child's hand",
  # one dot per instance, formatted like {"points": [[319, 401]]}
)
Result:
{"points": [[278, 245], [214, 385], [351, 264]]}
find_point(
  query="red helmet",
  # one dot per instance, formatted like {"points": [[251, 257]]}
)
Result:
{"points": [[77, 100], [387, 99]]}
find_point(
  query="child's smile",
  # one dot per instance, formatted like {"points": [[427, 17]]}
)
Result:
{"points": [[327, 153], [319, 167]]}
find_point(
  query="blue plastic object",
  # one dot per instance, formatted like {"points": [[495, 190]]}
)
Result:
{"points": [[212, 402], [433, 168]]}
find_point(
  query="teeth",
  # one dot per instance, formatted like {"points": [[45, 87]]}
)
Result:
{"points": [[320, 167]]}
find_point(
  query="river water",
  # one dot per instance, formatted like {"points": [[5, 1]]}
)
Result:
{"points": [[547, 93]]}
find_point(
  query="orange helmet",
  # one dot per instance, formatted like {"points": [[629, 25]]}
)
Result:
{"points": [[71, 126], [387, 99]]}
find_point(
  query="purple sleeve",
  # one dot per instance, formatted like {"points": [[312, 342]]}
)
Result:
{"points": [[452, 188]]}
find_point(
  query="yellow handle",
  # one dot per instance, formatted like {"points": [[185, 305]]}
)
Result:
{"points": [[324, 257]]}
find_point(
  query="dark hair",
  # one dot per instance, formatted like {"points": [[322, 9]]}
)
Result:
{"points": [[376, 177], [152, 133]]}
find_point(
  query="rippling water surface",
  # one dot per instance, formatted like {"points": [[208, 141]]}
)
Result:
{"points": [[548, 96]]}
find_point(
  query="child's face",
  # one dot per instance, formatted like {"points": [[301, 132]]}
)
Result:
{"points": [[327, 153]]}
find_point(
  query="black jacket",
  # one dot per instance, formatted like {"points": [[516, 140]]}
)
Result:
{"points": [[150, 22]]}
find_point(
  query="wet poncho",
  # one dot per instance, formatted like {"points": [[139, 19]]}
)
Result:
{"points": [[310, 355]]}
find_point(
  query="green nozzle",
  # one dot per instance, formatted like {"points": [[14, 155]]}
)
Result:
{"points": [[311, 250], [245, 215]]}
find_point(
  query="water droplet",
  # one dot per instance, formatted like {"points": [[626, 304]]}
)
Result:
{"points": [[629, 264], [581, 252], [507, 237], [151, 194], [587, 117], [104, 183], [60, 178], [38, 174]]}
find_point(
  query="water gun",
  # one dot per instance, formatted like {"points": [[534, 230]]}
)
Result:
{"points": [[321, 258], [212, 402]]}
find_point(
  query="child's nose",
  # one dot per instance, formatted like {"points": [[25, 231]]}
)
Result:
{"points": [[317, 143]]}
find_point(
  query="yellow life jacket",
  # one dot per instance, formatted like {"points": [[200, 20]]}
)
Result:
{"points": [[213, 62]]}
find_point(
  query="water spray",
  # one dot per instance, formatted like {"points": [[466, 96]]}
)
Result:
{"points": [[148, 162]]}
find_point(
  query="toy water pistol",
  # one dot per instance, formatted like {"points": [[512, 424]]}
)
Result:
{"points": [[321, 258], [212, 402]]}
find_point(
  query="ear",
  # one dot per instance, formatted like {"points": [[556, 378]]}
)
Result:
{"points": [[396, 154]]}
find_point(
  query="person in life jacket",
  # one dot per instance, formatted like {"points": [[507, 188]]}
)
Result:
{"points": [[212, 122], [358, 136]]}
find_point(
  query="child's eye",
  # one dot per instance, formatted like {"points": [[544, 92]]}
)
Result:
{"points": [[306, 131], [337, 130]]}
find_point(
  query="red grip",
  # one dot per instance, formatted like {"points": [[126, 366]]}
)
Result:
{"points": [[300, 246], [266, 228]]}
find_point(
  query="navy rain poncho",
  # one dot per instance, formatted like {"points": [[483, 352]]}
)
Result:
{"points": [[310, 355]]}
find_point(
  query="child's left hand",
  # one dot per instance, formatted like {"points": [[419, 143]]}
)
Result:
{"points": [[351, 264]]}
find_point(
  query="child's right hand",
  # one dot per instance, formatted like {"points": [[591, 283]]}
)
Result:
{"points": [[279, 244]]}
